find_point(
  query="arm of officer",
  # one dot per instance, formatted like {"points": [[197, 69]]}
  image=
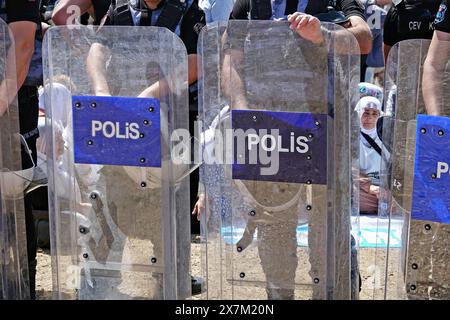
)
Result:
{"points": [[22, 33], [308, 27], [67, 11], [433, 71], [161, 88], [360, 29], [232, 83], [96, 68]]}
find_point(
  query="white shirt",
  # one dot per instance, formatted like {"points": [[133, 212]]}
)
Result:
{"points": [[369, 159]]}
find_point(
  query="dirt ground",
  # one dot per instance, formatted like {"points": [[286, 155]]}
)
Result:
{"points": [[371, 273]]}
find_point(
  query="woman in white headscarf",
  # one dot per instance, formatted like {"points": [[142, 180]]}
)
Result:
{"points": [[371, 150]]}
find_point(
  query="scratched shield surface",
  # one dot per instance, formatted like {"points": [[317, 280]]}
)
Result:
{"points": [[14, 279], [276, 102], [116, 196], [414, 196]]}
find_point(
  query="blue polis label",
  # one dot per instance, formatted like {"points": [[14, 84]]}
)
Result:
{"points": [[280, 146], [117, 131], [430, 199]]}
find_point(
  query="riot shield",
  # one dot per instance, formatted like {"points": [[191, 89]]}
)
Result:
{"points": [[413, 233], [14, 280], [119, 202], [279, 145]]}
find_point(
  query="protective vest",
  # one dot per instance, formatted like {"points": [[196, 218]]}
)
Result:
{"points": [[416, 17], [262, 9], [170, 16]]}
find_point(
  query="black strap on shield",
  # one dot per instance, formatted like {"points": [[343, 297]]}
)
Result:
{"points": [[372, 143]]}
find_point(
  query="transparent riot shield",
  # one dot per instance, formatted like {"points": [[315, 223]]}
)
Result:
{"points": [[119, 202], [279, 145], [14, 280], [413, 229]]}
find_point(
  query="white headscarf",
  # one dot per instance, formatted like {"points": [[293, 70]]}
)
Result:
{"points": [[368, 103]]}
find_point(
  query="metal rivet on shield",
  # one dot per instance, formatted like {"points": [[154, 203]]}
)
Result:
{"points": [[317, 123], [254, 118], [147, 122], [141, 135], [310, 136], [143, 184], [151, 109], [239, 249], [308, 207], [433, 176], [85, 255], [441, 133], [93, 196], [142, 160], [82, 230], [252, 213], [308, 157], [90, 142], [242, 275], [414, 266], [308, 181], [78, 105], [413, 287], [423, 130], [153, 260], [93, 105], [316, 280], [427, 227]]}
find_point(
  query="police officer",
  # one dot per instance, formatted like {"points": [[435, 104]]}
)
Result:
{"points": [[23, 19], [64, 13], [185, 19], [276, 246], [435, 95], [409, 19]]}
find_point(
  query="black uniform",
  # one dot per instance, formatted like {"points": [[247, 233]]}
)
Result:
{"points": [[14, 11], [442, 21], [241, 9], [100, 9], [410, 19]]}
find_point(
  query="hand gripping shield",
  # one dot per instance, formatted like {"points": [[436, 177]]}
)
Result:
{"points": [[278, 151], [413, 228], [14, 281], [118, 182]]}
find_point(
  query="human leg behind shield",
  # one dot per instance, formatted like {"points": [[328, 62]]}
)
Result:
{"points": [[277, 248], [28, 115]]}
